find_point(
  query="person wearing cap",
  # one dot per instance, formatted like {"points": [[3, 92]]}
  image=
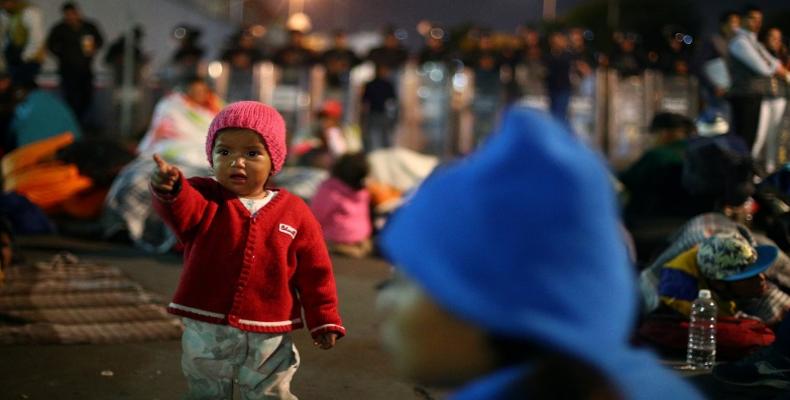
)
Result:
{"points": [[254, 261], [726, 264], [725, 176], [507, 292]]}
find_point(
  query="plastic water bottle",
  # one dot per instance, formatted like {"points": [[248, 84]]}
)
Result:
{"points": [[701, 353]]}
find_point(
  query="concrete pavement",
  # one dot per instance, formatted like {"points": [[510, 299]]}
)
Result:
{"points": [[356, 369]]}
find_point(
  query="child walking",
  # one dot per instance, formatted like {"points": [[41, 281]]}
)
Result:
{"points": [[254, 257]]}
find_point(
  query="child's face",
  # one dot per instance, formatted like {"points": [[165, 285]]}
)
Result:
{"points": [[241, 162], [428, 344]]}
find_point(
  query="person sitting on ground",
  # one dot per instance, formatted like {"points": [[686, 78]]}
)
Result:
{"points": [[734, 271], [717, 172], [727, 264], [181, 118], [342, 206], [654, 182], [524, 292], [729, 219], [723, 177], [177, 132], [38, 115], [771, 304]]}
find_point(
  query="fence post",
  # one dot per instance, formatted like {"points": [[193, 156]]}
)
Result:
{"points": [[127, 85]]}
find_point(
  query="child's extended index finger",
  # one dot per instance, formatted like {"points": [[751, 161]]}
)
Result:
{"points": [[162, 164]]}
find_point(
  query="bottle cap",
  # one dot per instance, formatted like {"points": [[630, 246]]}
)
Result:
{"points": [[704, 294]]}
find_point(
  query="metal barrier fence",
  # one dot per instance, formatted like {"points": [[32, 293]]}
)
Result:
{"points": [[443, 112], [632, 102]]}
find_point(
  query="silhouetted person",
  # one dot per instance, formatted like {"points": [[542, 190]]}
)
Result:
{"points": [[294, 57], [434, 51], [75, 41], [24, 37], [558, 61], [338, 61], [391, 53], [627, 59], [379, 110]]}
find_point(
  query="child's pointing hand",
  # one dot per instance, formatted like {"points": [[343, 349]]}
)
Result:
{"points": [[165, 176]]}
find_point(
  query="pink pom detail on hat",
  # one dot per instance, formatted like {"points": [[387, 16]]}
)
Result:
{"points": [[258, 117]]}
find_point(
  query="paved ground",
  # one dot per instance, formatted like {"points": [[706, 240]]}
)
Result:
{"points": [[356, 369]]}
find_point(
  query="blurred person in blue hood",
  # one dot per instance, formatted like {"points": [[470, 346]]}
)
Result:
{"points": [[513, 277]]}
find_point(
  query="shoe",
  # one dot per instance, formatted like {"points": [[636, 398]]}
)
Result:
{"points": [[763, 368]]}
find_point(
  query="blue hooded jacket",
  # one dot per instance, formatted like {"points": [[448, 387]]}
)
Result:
{"points": [[523, 239]]}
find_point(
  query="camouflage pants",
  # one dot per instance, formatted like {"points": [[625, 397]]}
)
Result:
{"points": [[217, 356]]}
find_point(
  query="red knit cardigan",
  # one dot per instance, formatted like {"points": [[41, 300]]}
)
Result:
{"points": [[251, 272]]}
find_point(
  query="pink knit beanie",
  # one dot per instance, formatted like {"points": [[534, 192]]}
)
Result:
{"points": [[259, 117]]}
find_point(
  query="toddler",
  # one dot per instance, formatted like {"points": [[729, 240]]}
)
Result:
{"points": [[253, 258]]}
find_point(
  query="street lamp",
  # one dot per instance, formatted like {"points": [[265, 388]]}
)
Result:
{"points": [[297, 19], [299, 22]]}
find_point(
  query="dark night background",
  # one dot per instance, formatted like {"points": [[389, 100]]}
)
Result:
{"points": [[505, 15]]}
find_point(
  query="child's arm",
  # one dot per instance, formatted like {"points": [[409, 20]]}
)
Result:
{"points": [[175, 200], [316, 285]]}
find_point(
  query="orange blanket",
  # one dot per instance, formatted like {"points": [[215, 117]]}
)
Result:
{"points": [[33, 172]]}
